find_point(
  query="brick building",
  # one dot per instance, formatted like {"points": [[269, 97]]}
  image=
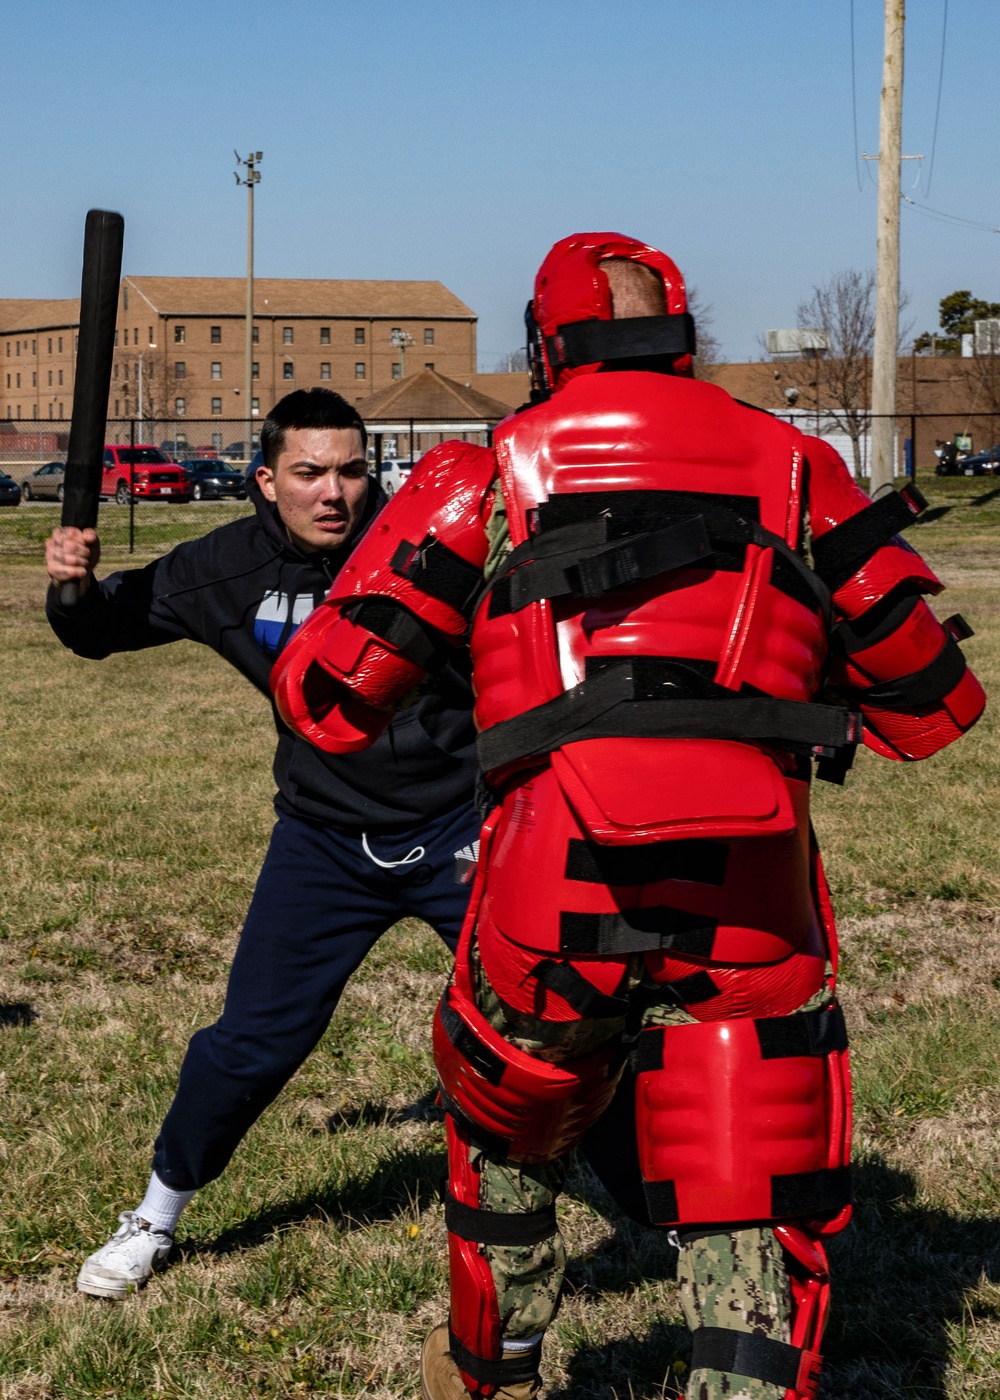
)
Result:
{"points": [[185, 338]]}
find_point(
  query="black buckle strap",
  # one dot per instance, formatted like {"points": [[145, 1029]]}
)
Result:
{"points": [[595, 571], [810, 1195], [692, 859], [395, 624], [589, 342], [761, 1358], [636, 931], [586, 1000], [497, 1227], [840, 553], [605, 707], [804, 1033], [439, 572], [518, 1368], [924, 687]]}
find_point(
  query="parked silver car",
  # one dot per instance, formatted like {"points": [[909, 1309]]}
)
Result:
{"points": [[46, 483]]}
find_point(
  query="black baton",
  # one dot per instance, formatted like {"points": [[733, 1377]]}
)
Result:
{"points": [[102, 270]]}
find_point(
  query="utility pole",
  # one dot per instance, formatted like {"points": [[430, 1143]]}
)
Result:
{"points": [[887, 251], [400, 340], [252, 177]]}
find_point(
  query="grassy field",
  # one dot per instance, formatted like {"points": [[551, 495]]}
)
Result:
{"points": [[136, 800]]}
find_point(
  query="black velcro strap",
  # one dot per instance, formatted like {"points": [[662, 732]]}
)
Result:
{"points": [[876, 623], [469, 1046], [805, 1033], [840, 553], [957, 628], [689, 991], [496, 1227], [924, 687], [585, 999], [661, 1201], [600, 570], [588, 342], [439, 572], [636, 931], [519, 1368], [810, 1194], [395, 624], [605, 707], [748, 1354], [647, 1052], [702, 862], [632, 512]]}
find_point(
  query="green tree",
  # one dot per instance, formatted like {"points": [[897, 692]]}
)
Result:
{"points": [[958, 313]]}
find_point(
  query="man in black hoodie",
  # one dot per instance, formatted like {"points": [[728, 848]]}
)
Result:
{"points": [[360, 841]]}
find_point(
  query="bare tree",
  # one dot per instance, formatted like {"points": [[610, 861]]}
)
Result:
{"points": [[514, 363], [125, 383], [709, 352]]}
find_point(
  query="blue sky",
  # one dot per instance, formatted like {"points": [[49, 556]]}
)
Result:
{"points": [[435, 139]]}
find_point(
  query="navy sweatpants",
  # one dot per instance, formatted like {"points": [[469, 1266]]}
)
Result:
{"points": [[320, 904]]}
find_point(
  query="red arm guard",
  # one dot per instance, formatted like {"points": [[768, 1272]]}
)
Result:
{"points": [[405, 593], [898, 661]]}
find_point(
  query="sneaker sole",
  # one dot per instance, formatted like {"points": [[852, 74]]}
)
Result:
{"points": [[98, 1287]]}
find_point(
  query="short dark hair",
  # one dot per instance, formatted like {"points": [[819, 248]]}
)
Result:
{"points": [[307, 408]]}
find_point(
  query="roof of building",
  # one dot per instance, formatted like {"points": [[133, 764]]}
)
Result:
{"points": [[429, 395], [298, 296], [511, 389], [34, 314]]}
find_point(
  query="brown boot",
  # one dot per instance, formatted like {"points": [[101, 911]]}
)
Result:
{"points": [[440, 1378]]}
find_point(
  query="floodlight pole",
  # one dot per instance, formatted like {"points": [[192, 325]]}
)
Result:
{"points": [[252, 178], [401, 339], [887, 252]]}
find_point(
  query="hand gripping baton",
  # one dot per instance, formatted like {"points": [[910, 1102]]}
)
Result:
{"points": [[102, 270]]}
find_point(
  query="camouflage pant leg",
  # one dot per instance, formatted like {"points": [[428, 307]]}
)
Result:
{"points": [[735, 1280], [528, 1278]]}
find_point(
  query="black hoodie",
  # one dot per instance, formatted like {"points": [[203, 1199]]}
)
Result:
{"points": [[242, 589]]}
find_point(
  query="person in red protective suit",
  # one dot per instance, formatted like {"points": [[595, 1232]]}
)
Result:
{"points": [[675, 605]]}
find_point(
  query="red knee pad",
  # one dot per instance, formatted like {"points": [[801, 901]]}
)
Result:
{"points": [[745, 1120]]}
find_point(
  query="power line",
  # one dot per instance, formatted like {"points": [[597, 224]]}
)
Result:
{"points": [[937, 108], [854, 108], [949, 218]]}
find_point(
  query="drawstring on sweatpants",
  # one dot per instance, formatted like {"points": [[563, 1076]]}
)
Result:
{"points": [[416, 854]]}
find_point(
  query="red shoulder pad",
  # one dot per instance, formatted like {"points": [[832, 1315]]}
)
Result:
{"points": [[834, 499], [401, 598]]}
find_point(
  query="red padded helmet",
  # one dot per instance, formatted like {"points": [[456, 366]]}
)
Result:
{"points": [[571, 289]]}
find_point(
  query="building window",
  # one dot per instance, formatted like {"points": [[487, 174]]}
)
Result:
{"points": [[126, 335], [359, 335], [217, 441], [60, 351], [397, 370], [288, 335], [34, 411], [18, 384], [179, 333], [428, 364], [34, 379], [117, 406], [34, 351], [50, 378], [324, 369], [60, 411], [216, 369], [215, 335], [117, 368], [151, 341], [180, 369], [19, 410], [428, 335], [17, 346], [288, 370], [217, 408], [255, 369], [324, 335], [60, 384], [125, 370], [50, 345], [255, 405], [180, 407], [124, 298], [255, 334], [359, 369], [50, 410]]}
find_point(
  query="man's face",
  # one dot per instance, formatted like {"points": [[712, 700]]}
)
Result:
{"points": [[319, 484]]}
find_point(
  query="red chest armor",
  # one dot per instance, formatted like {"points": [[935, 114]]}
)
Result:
{"points": [[680, 510]]}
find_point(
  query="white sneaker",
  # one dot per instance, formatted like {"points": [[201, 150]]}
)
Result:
{"points": [[128, 1259]]}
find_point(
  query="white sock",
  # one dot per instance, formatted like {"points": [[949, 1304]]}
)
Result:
{"points": [[161, 1205], [512, 1348]]}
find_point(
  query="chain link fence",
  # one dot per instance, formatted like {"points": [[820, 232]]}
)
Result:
{"points": [[175, 480]]}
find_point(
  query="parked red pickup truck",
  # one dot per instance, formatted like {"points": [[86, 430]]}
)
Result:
{"points": [[145, 472]]}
